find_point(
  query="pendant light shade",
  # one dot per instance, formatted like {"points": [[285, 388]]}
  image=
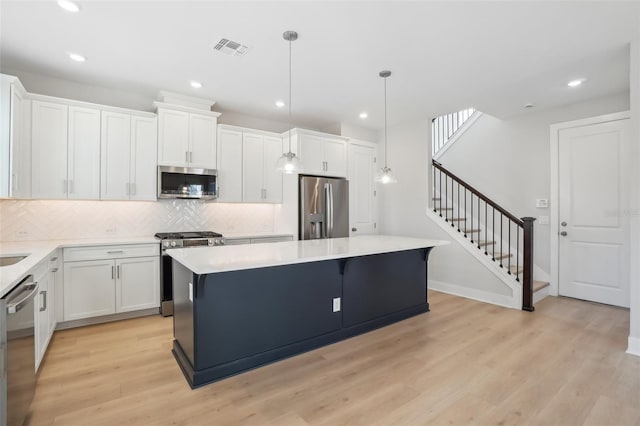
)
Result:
{"points": [[289, 163], [385, 176]]}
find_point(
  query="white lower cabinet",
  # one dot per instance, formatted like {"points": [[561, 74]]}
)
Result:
{"points": [[44, 310], [110, 279]]}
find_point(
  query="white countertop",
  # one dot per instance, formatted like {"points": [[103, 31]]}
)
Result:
{"points": [[207, 260], [37, 251]]}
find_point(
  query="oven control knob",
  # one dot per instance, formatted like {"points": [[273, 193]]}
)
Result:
{"points": [[221, 241], [173, 244], [211, 241], [165, 244]]}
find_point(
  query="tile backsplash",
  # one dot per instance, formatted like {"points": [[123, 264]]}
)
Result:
{"points": [[61, 219]]}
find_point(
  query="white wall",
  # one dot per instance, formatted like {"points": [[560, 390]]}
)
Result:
{"points": [[634, 329], [509, 161]]}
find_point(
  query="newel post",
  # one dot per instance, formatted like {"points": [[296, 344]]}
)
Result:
{"points": [[527, 257]]}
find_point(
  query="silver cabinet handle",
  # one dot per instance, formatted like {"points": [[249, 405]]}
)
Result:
{"points": [[118, 272], [115, 251], [564, 233], [44, 301], [54, 269], [53, 259], [354, 229], [113, 272]]}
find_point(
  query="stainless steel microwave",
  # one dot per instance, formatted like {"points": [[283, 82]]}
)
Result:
{"points": [[187, 182]]}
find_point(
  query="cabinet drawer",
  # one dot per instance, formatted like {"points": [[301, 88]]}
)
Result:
{"points": [[110, 252]]}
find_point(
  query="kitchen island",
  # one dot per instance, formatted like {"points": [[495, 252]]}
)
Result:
{"points": [[239, 307]]}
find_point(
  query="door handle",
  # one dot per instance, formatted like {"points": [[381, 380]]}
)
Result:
{"points": [[563, 224], [564, 233]]}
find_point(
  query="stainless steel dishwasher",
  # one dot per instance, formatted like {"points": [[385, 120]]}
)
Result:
{"points": [[17, 352]]}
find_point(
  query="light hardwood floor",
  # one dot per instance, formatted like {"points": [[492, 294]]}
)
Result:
{"points": [[465, 362]]}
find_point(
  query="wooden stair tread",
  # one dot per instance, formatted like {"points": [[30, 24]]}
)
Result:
{"points": [[470, 231], [502, 256], [539, 285], [486, 243], [515, 271]]}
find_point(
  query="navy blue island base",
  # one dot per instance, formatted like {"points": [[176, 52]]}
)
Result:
{"points": [[229, 322]]}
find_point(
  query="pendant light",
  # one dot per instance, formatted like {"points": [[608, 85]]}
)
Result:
{"points": [[289, 163], [385, 176]]}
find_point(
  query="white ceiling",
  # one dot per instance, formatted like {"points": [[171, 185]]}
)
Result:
{"points": [[495, 56]]}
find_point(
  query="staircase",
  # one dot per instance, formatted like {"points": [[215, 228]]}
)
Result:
{"points": [[447, 128], [487, 227]]}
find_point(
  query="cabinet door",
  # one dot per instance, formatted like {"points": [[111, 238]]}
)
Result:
{"points": [[229, 166], [362, 189], [272, 177], [335, 156], [173, 137], [311, 150], [89, 289], [83, 153], [137, 283], [20, 146], [252, 168], [144, 159], [202, 141], [49, 150], [115, 161], [41, 318]]}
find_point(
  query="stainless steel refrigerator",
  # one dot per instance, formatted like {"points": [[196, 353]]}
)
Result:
{"points": [[324, 207]]}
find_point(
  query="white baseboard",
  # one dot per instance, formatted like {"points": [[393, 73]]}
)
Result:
{"points": [[634, 346], [473, 293]]}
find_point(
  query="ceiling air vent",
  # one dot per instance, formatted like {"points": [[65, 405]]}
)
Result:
{"points": [[230, 47]]}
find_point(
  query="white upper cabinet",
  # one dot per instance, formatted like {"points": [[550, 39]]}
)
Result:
{"points": [[49, 150], [143, 172], [173, 137], [83, 153], [116, 157], [262, 183], [20, 109], [229, 166], [362, 191], [187, 139], [129, 165], [322, 154], [202, 141]]}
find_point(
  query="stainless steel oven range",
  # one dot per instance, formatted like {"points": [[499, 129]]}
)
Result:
{"points": [[171, 240]]}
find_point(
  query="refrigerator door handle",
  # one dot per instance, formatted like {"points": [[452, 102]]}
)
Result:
{"points": [[330, 212]]}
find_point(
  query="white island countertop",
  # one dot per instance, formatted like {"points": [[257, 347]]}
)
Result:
{"points": [[208, 260]]}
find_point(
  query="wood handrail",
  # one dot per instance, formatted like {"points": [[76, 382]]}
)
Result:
{"points": [[484, 198]]}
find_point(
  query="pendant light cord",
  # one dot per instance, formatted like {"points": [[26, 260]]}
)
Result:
{"points": [[385, 122], [290, 124]]}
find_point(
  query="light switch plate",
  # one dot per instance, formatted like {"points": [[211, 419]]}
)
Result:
{"points": [[542, 203], [336, 304], [543, 220]]}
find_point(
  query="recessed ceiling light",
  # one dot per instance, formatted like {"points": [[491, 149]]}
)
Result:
{"points": [[280, 104], [363, 115], [69, 6], [196, 84], [76, 57], [576, 82]]}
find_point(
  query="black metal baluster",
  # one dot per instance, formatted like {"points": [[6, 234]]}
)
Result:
{"points": [[478, 239], [446, 198], [493, 230], [517, 253], [501, 250], [433, 195], [472, 217], [465, 212], [485, 229], [440, 194], [458, 205], [509, 245]]}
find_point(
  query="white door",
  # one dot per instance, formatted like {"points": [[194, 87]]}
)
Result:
{"points": [[89, 289], [362, 189], [83, 156], [272, 177], [594, 212], [49, 150], [252, 168], [335, 154], [115, 160], [137, 283], [202, 141], [229, 166], [144, 158], [173, 137]]}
